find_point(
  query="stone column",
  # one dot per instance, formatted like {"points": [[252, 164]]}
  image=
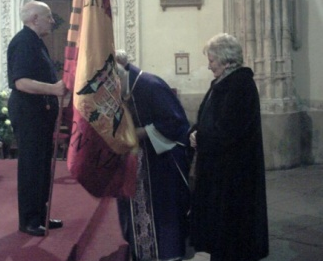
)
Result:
{"points": [[264, 30]]}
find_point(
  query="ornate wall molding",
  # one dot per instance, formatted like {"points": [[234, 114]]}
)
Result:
{"points": [[5, 19], [126, 27], [10, 24]]}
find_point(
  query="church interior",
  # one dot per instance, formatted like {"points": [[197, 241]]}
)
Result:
{"points": [[281, 42]]}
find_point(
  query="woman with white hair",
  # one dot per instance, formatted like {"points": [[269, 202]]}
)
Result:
{"points": [[229, 211]]}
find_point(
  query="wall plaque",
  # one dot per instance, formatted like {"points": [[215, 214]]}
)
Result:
{"points": [[182, 63], [175, 3]]}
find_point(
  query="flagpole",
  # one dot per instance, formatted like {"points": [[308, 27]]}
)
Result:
{"points": [[53, 166]]}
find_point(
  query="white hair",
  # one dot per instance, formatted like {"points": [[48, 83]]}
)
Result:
{"points": [[122, 57], [225, 48], [31, 8]]}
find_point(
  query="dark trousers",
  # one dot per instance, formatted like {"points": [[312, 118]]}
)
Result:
{"points": [[33, 130]]}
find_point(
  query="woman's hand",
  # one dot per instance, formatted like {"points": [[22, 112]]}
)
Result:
{"points": [[193, 139]]}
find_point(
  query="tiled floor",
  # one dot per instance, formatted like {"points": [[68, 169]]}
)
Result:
{"points": [[295, 212]]}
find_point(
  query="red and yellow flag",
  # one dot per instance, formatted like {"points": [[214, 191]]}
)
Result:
{"points": [[103, 134]]}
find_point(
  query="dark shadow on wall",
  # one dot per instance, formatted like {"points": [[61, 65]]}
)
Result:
{"points": [[306, 138]]}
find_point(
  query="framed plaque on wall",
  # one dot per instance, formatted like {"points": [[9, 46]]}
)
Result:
{"points": [[182, 63], [175, 3]]}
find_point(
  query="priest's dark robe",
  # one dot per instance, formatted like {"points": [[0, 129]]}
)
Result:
{"points": [[156, 225]]}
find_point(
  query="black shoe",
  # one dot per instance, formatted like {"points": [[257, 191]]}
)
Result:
{"points": [[33, 231], [54, 223]]}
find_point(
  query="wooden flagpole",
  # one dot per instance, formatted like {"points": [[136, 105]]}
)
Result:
{"points": [[53, 166]]}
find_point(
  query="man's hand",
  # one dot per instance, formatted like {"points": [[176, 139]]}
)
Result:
{"points": [[193, 139], [60, 88]]}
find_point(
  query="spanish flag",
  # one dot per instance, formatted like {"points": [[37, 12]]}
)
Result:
{"points": [[100, 154]]}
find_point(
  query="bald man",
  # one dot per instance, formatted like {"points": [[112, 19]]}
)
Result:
{"points": [[33, 109]]}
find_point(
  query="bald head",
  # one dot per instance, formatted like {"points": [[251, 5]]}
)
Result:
{"points": [[122, 57], [32, 9], [38, 17]]}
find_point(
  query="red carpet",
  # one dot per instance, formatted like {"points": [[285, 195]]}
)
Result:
{"points": [[91, 230]]}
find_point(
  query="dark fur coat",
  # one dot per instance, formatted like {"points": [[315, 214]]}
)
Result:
{"points": [[229, 212]]}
